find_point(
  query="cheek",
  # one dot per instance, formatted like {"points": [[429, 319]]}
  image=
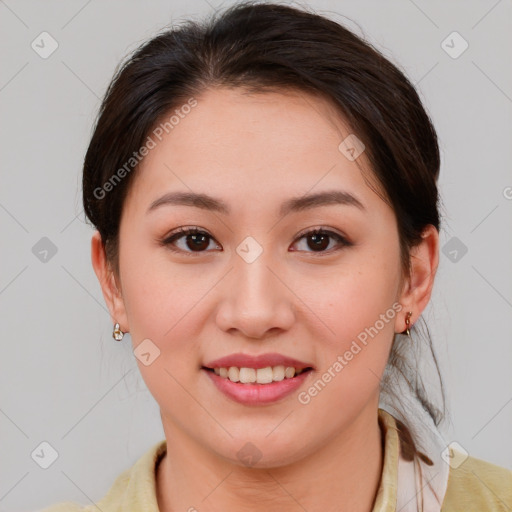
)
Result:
{"points": [[358, 306], [159, 301], [160, 304], [354, 295], [156, 293], [353, 359]]}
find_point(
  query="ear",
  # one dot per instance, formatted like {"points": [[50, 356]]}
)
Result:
{"points": [[109, 287], [418, 286]]}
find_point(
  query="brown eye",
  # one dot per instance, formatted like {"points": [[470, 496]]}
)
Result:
{"points": [[194, 240], [318, 240]]}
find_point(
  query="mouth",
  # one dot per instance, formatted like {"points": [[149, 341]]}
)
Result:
{"points": [[265, 375], [255, 380]]}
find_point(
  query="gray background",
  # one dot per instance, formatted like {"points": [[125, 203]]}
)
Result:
{"points": [[64, 380]]}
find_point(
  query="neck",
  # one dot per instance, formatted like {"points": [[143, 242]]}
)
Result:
{"points": [[344, 474]]}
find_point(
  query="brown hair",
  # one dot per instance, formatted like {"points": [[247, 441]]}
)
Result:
{"points": [[262, 47]]}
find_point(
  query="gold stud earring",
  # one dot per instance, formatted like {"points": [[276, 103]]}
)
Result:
{"points": [[117, 334], [408, 324]]}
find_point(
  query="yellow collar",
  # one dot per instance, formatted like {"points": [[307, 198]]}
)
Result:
{"points": [[136, 486]]}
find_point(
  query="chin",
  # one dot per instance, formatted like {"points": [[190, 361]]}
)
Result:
{"points": [[258, 452]]}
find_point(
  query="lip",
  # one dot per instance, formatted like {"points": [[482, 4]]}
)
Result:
{"points": [[257, 394], [241, 360]]}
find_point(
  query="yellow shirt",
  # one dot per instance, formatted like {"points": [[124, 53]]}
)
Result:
{"points": [[473, 486]]}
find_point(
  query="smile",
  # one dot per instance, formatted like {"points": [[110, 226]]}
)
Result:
{"points": [[265, 375]]}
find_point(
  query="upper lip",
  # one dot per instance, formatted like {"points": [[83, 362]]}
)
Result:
{"points": [[260, 361]]}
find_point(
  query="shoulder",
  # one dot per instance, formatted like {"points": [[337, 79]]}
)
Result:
{"points": [[476, 485], [109, 503], [133, 490]]}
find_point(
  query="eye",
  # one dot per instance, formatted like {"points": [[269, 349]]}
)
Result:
{"points": [[195, 240], [319, 240]]}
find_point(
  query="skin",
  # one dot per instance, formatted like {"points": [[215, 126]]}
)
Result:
{"points": [[254, 152]]}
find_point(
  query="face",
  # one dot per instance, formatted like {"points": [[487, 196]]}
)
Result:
{"points": [[308, 283]]}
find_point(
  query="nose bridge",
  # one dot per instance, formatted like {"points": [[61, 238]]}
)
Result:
{"points": [[254, 285], [254, 299]]}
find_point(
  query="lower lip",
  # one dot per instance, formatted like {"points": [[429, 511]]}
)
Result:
{"points": [[257, 394]]}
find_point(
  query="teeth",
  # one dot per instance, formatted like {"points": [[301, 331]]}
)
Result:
{"points": [[246, 375], [264, 375], [289, 372], [233, 374], [278, 373], [260, 375]]}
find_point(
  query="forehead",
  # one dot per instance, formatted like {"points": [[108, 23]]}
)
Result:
{"points": [[247, 147]]}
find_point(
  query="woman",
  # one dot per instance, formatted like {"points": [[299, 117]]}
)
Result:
{"points": [[264, 190]]}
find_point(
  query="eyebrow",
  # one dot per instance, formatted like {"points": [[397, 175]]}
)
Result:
{"points": [[296, 204]]}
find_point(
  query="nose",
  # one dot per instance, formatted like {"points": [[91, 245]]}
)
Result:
{"points": [[255, 301]]}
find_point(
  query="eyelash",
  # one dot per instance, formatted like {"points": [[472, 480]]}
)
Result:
{"points": [[182, 232]]}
